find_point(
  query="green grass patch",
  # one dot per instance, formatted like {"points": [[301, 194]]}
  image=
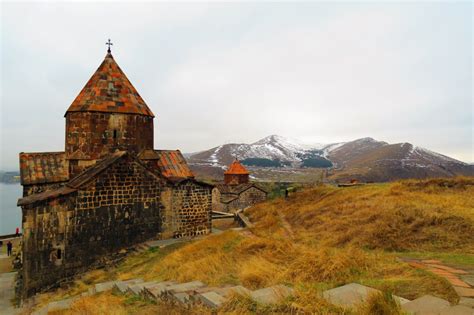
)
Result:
{"points": [[458, 259]]}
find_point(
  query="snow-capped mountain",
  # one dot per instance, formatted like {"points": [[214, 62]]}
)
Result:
{"points": [[272, 148], [366, 158]]}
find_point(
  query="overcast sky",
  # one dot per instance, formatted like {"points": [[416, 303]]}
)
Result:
{"points": [[237, 72]]}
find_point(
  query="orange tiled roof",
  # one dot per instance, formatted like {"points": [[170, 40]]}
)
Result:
{"points": [[170, 162], [109, 90], [44, 167], [236, 169]]}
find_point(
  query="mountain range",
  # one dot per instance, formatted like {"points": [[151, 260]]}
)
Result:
{"points": [[364, 159]]}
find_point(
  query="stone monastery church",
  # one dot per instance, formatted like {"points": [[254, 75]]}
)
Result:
{"points": [[109, 189]]}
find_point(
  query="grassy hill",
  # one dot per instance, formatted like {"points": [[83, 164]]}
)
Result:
{"points": [[316, 239]]}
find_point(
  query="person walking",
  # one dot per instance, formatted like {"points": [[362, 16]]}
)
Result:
{"points": [[9, 248], [17, 232]]}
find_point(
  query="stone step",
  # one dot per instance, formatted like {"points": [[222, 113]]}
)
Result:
{"points": [[211, 299], [55, 306], [184, 287], [181, 297], [182, 292], [227, 292], [352, 294], [207, 295], [271, 295], [104, 286], [154, 292], [122, 286], [138, 288], [426, 304]]}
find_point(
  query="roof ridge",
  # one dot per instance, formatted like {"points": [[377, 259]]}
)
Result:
{"points": [[91, 172]]}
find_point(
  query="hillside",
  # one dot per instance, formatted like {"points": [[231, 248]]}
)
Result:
{"points": [[316, 239], [365, 159]]}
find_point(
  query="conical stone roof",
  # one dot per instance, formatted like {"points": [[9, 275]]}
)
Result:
{"points": [[236, 169], [109, 90]]}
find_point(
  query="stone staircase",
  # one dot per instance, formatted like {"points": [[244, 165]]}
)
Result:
{"points": [[350, 295], [186, 294]]}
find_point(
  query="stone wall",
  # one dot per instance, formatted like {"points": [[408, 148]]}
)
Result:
{"points": [[192, 204], [44, 233], [216, 200], [246, 199], [68, 235], [236, 179], [92, 135]]}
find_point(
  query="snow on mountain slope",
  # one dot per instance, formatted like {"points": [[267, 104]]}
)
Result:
{"points": [[272, 147], [364, 158]]}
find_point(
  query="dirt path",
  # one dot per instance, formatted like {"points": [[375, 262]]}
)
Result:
{"points": [[7, 292], [286, 226]]}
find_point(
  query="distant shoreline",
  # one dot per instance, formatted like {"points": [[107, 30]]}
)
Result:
{"points": [[10, 177]]}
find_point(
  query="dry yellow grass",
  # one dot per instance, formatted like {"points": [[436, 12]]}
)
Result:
{"points": [[321, 238], [434, 215]]}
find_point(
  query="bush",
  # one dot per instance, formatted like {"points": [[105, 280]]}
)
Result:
{"points": [[263, 162], [318, 162]]}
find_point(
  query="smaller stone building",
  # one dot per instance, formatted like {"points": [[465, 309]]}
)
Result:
{"points": [[236, 192]]}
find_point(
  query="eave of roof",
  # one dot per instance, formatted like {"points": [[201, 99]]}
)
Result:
{"points": [[45, 195]]}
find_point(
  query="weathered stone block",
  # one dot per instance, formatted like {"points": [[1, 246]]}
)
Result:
{"points": [[426, 305], [272, 294], [211, 299]]}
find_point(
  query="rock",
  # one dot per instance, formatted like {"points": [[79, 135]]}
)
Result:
{"points": [[349, 295], [426, 305], [352, 294], [122, 286], [272, 294], [211, 299]]}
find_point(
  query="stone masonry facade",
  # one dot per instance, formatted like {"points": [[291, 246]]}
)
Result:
{"points": [[109, 190], [236, 192]]}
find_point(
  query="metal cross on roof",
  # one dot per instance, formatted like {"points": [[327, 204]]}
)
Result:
{"points": [[109, 43]]}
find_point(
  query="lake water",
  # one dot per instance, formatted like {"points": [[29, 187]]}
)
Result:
{"points": [[10, 214]]}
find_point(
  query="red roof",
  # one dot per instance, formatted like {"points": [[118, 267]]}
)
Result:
{"points": [[109, 90], [236, 169], [171, 163], [44, 167]]}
